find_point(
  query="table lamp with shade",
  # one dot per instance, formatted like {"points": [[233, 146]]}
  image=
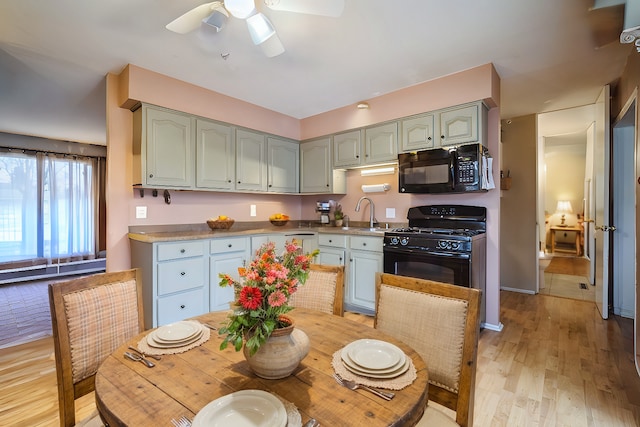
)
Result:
{"points": [[563, 207]]}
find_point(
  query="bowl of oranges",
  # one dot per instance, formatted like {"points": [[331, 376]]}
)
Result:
{"points": [[279, 219], [221, 222]]}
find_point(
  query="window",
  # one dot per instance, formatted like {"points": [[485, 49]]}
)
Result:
{"points": [[48, 208]]}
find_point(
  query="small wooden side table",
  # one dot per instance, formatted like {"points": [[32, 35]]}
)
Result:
{"points": [[573, 229]]}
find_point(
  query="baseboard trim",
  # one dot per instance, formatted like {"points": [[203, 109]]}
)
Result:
{"points": [[522, 291]]}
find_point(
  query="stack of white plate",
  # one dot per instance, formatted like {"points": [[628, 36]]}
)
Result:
{"points": [[245, 408], [175, 335], [374, 359]]}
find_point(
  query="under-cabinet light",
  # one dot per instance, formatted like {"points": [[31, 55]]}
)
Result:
{"points": [[378, 171]]}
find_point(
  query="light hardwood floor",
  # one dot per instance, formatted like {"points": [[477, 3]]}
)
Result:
{"points": [[555, 363]]}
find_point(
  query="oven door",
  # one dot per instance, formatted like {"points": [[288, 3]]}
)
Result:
{"points": [[438, 266]]}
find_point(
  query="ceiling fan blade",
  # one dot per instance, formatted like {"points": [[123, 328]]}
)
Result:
{"points": [[193, 18], [332, 8]]}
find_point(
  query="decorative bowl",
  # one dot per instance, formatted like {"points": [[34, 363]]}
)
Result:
{"points": [[279, 222], [220, 224]]}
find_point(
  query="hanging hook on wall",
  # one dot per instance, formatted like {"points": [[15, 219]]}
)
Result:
{"points": [[167, 197], [141, 192]]}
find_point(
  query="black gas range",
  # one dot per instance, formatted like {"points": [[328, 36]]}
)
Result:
{"points": [[445, 243]]}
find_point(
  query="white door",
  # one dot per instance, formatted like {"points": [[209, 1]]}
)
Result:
{"points": [[600, 229]]}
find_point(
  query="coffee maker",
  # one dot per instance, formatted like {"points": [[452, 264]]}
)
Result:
{"points": [[323, 208]]}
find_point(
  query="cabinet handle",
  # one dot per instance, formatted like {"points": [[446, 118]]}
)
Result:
{"points": [[182, 251], [182, 273], [357, 157], [239, 182], [442, 136], [364, 244], [327, 185], [270, 185], [150, 175], [230, 245], [350, 259], [229, 181], [182, 306], [429, 138]]}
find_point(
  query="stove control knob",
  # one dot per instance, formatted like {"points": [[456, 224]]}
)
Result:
{"points": [[404, 241], [394, 240], [443, 244], [455, 246]]}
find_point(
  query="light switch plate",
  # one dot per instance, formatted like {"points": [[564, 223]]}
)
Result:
{"points": [[141, 212], [391, 212], [253, 210]]}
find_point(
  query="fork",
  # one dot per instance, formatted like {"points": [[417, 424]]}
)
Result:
{"points": [[352, 385], [181, 422]]}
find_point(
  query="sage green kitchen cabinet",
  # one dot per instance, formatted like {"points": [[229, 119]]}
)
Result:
{"points": [[416, 133], [283, 167], [226, 255], [463, 124], [347, 148], [317, 175], [163, 148], [215, 156], [175, 279], [381, 144], [365, 259], [332, 248], [251, 161]]}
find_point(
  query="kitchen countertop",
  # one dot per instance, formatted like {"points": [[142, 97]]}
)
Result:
{"points": [[169, 233]]}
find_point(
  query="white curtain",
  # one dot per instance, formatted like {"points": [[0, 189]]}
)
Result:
{"points": [[68, 215]]}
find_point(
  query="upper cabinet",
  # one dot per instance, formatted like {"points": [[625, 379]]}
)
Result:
{"points": [[251, 162], [381, 143], [347, 148], [163, 148], [283, 169], [215, 156], [316, 173], [460, 125], [417, 133]]}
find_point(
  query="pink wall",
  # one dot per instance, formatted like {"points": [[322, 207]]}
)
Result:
{"points": [[137, 84]]}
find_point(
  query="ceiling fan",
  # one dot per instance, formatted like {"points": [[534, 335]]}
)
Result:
{"points": [[262, 32]]}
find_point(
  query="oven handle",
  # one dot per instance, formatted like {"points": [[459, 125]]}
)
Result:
{"points": [[423, 252]]}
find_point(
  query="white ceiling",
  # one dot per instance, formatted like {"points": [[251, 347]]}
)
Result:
{"points": [[54, 55]]}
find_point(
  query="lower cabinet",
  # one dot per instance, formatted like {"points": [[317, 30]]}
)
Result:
{"points": [[365, 259], [175, 279], [362, 258], [180, 279]]}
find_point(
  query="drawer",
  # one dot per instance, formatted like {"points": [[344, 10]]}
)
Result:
{"points": [[229, 245], [176, 276], [180, 250], [333, 240], [366, 243], [181, 306]]}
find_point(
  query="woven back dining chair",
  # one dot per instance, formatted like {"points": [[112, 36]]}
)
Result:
{"points": [[91, 317], [441, 322], [323, 290]]}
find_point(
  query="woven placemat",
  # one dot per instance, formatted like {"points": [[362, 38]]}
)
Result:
{"points": [[397, 383], [144, 347]]}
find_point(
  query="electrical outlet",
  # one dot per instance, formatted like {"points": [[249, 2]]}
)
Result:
{"points": [[141, 212], [391, 212], [253, 210]]}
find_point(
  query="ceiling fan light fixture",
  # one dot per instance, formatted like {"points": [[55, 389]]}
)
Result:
{"points": [[272, 46], [240, 8], [217, 19], [260, 28]]}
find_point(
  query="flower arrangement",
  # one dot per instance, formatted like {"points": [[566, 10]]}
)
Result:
{"points": [[262, 294]]}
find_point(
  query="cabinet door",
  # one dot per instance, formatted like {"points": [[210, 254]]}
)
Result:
{"points": [[315, 166], [330, 256], [346, 149], [459, 125], [381, 143], [361, 288], [216, 156], [228, 264], [169, 148], [283, 166], [251, 164], [417, 133]]}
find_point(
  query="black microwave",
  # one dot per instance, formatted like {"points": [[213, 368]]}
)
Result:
{"points": [[458, 169]]}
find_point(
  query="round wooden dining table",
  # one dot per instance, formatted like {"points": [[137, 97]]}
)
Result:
{"points": [[130, 394]]}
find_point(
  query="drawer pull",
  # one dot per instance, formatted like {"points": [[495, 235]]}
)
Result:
{"points": [[364, 244], [182, 273], [182, 306], [230, 245], [183, 251]]}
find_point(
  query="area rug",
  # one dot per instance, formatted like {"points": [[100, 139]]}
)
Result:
{"points": [[568, 265]]}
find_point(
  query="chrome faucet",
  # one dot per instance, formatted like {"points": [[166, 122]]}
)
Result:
{"points": [[372, 215]]}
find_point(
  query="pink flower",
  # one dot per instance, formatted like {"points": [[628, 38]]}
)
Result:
{"points": [[277, 298]]}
